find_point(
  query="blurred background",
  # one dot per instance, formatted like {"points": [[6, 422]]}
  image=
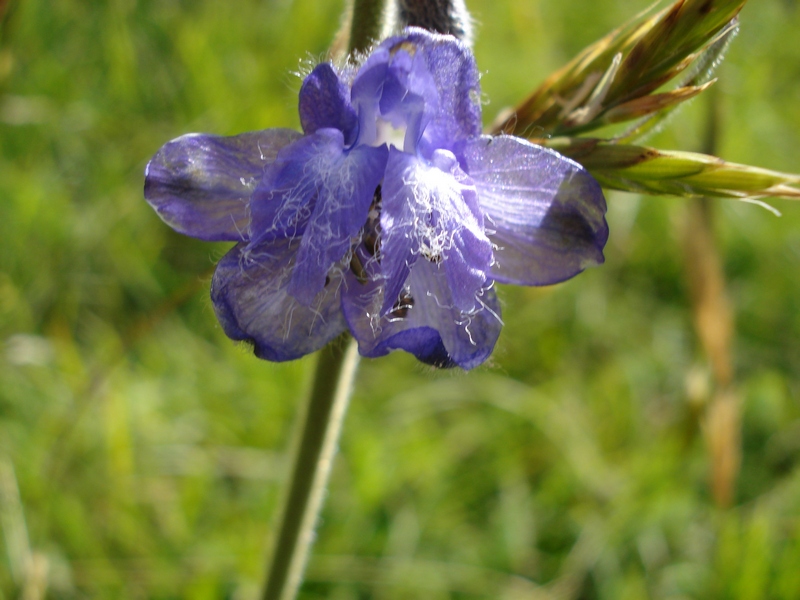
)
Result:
{"points": [[635, 435]]}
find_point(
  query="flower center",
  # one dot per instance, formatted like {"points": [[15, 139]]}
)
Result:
{"points": [[390, 135]]}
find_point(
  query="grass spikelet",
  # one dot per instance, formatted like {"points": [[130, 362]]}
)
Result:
{"points": [[641, 169], [618, 77]]}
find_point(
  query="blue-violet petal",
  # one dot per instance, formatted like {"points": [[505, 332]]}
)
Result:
{"points": [[430, 213], [544, 213], [200, 185], [345, 191], [325, 103], [252, 303], [284, 200], [457, 81], [426, 82], [424, 321]]}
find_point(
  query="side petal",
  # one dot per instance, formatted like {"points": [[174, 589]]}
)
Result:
{"points": [[430, 212], [249, 292], [423, 321], [325, 103], [544, 213], [399, 237], [200, 185]]}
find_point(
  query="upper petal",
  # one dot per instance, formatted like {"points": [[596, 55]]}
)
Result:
{"points": [[395, 86], [325, 102], [424, 81], [457, 81], [252, 303], [424, 320], [544, 213], [200, 185], [366, 94]]}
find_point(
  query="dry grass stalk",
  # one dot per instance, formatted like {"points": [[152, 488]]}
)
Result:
{"points": [[714, 323]]}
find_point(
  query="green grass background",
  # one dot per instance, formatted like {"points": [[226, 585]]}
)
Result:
{"points": [[149, 452]]}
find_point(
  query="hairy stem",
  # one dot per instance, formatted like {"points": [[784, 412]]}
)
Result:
{"points": [[365, 27], [321, 426], [441, 16]]}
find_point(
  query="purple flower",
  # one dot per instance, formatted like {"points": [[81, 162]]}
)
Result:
{"points": [[391, 215]]}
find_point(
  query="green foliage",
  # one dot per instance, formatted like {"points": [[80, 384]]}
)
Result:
{"points": [[149, 452]]}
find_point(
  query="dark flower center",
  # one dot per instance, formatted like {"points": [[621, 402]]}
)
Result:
{"points": [[370, 249], [403, 305], [370, 240]]}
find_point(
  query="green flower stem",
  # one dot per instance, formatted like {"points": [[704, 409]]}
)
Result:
{"points": [[325, 411], [365, 27], [321, 426]]}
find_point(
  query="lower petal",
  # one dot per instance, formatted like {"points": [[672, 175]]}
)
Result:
{"points": [[249, 292], [430, 213], [423, 321]]}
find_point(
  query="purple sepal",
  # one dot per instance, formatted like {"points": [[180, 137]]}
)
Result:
{"points": [[544, 213], [424, 343], [252, 303], [325, 103], [425, 306], [200, 185]]}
